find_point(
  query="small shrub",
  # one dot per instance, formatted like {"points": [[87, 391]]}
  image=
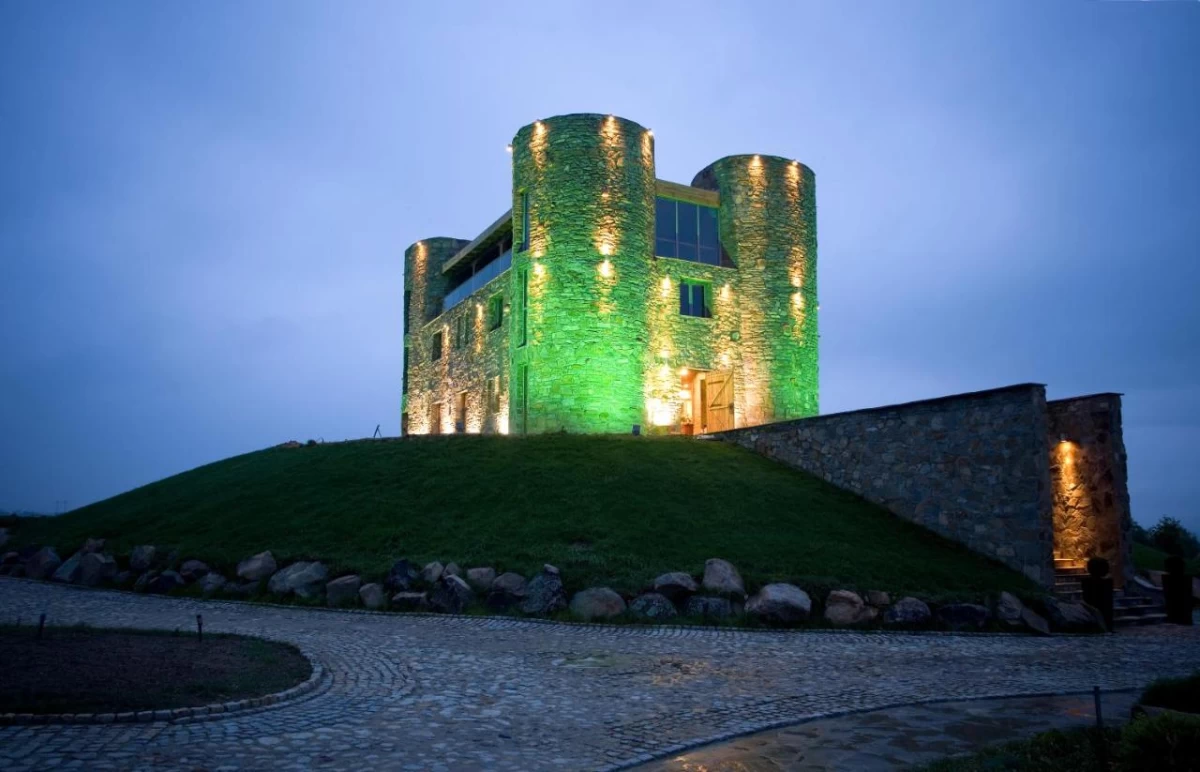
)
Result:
{"points": [[1182, 694], [1166, 743], [1170, 536]]}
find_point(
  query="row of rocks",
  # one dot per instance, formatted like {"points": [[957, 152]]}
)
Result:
{"points": [[719, 594]]}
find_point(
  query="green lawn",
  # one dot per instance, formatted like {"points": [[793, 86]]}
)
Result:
{"points": [[1147, 558], [610, 510]]}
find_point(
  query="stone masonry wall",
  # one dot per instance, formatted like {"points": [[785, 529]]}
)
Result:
{"points": [[1088, 476], [971, 467]]}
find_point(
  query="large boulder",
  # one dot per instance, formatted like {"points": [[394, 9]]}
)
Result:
{"points": [[451, 595], [964, 616], [1033, 622], [402, 576], [1071, 616], [96, 569], [597, 603], [844, 607], [143, 582], [164, 582], [68, 571], [304, 578], [879, 599], [907, 612], [211, 583], [545, 594], [92, 545], [722, 578], [676, 586], [342, 591], [481, 578], [506, 590], [42, 564], [373, 596], [10, 558], [432, 572], [1008, 610], [410, 601], [142, 558], [193, 570], [452, 569], [257, 567], [652, 605], [707, 607], [780, 604]]}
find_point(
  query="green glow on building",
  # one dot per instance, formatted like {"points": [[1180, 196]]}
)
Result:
{"points": [[593, 338]]}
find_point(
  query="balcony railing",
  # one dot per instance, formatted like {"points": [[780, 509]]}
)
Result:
{"points": [[481, 277]]}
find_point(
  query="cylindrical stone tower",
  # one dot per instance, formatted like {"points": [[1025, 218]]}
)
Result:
{"points": [[583, 236], [768, 222], [425, 287]]}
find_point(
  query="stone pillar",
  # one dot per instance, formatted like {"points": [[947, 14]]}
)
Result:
{"points": [[1089, 482]]}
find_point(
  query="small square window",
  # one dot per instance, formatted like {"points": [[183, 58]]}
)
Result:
{"points": [[695, 299]]}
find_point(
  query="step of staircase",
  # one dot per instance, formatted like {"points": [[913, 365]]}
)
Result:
{"points": [[1128, 610]]}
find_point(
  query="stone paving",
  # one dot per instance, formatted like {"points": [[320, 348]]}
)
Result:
{"points": [[898, 738], [426, 692]]}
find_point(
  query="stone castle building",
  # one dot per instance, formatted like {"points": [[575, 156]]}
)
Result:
{"points": [[607, 299]]}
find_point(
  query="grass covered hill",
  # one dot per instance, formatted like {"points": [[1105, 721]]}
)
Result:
{"points": [[605, 509]]}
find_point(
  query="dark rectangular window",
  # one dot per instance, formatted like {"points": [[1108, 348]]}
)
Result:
{"points": [[407, 303], [524, 289], [462, 331], [694, 299], [436, 347], [495, 311], [460, 413], [523, 397], [688, 231], [524, 221]]}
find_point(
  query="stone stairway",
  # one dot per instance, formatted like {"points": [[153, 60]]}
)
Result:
{"points": [[1128, 609]]}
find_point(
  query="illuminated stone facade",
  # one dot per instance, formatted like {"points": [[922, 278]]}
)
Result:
{"points": [[599, 330]]}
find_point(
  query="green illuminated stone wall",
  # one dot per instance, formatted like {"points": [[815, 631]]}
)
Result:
{"points": [[591, 186], [768, 221]]}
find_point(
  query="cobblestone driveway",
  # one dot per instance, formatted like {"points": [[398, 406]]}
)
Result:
{"points": [[442, 693]]}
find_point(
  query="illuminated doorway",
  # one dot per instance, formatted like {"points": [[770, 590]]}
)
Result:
{"points": [[706, 398]]}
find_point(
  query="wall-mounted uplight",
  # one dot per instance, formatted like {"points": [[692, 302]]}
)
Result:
{"points": [[606, 268], [683, 371], [725, 291], [508, 148], [538, 269], [649, 132], [666, 286]]}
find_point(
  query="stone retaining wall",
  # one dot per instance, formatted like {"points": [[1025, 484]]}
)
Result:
{"points": [[971, 467]]}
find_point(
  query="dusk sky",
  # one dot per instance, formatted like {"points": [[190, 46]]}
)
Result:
{"points": [[204, 207]]}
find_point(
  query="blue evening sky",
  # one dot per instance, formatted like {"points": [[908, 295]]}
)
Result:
{"points": [[204, 206]]}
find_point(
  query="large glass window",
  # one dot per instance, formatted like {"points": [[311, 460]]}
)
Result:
{"points": [[688, 231], [695, 299]]}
